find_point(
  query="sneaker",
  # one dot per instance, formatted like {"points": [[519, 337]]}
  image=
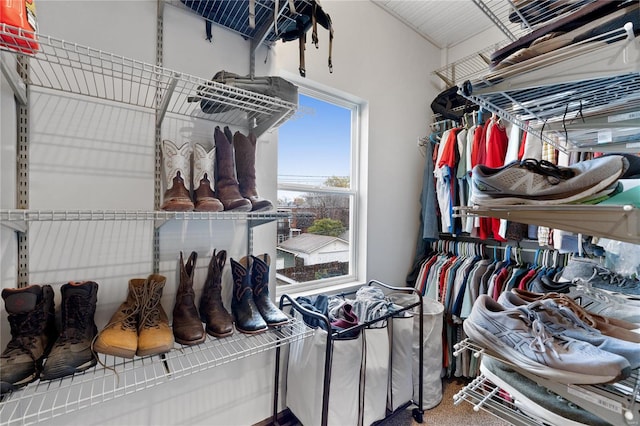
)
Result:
{"points": [[613, 327], [561, 321], [589, 271], [535, 400], [72, 352], [32, 320], [520, 336], [540, 182]]}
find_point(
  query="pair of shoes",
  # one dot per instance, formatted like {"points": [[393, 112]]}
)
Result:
{"points": [[594, 300], [251, 305], [224, 177], [533, 181], [561, 321], [519, 336], [187, 323], [589, 272], [140, 325], [34, 336]]}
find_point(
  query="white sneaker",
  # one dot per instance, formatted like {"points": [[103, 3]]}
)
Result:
{"points": [[540, 182], [520, 337]]}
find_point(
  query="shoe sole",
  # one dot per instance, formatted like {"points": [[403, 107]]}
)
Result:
{"points": [[219, 335], [178, 206], [523, 402], [514, 200], [493, 345], [262, 330], [191, 342], [154, 351], [58, 372], [114, 351]]}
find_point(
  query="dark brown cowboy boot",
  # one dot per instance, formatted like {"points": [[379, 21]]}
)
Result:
{"points": [[245, 150], [260, 281], [187, 328], [244, 309], [218, 320], [226, 183]]}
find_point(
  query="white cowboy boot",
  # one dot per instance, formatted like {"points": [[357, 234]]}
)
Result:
{"points": [[176, 163], [203, 180]]}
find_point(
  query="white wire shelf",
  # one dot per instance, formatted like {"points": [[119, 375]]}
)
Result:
{"points": [[72, 68], [43, 400], [17, 219], [594, 78], [617, 222]]}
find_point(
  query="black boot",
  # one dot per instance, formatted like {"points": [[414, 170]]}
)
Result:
{"points": [[244, 309], [260, 281], [32, 320], [72, 351]]}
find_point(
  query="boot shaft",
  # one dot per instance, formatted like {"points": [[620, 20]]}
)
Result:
{"points": [[78, 307], [177, 163], [260, 275], [185, 293], [245, 157], [31, 311], [227, 188], [242, 289], [212, 289]]}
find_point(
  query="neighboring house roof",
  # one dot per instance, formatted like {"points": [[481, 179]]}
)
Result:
{"points": [[308, 243]]}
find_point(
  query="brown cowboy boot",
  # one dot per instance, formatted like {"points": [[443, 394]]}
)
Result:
{"points": [[187, 328], [226, 182], [218, 320], [154, 334], [245, 150], [120, 336]]}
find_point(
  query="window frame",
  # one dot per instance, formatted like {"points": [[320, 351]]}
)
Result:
{"points": [[353, 192]]}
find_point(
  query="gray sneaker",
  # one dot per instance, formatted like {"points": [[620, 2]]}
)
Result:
{"points": [[540, 182], [588, 271], [520, 337], [561, 321], [606, 304]]}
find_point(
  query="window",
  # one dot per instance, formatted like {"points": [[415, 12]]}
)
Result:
{"points": [[318, 187]]}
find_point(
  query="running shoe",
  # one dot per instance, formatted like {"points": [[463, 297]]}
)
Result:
{"points": [[535, 400], [534, 181], [562, 322], [589, 271], [520, 336]]}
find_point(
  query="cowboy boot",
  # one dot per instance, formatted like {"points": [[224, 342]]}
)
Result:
{"points": [[218, 320], [244, 309], [120, 336], [31, 315], [245, 151], [203, 178], [154, 334], [176, 163], [226, 182], [260, 282], [72, 352], [187, 328]]}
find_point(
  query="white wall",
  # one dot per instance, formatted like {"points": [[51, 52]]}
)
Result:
{"points": [[91, 155]]}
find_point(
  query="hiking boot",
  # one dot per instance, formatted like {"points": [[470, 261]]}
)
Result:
{"points": [[32, 320], [589, 272], [120, 336], [260, 283], [154, 334], [218, 320], [245, 153], [243, 307], [520, 336], [72, 352], [187, 327], [540, 182]]}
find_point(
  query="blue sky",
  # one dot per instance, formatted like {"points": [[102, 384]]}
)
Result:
{"points": [[315, 143]]}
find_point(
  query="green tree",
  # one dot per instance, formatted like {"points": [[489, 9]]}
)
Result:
{"points": [[330, 227]]}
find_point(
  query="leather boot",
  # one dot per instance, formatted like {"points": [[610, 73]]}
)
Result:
{"points": [[203, 178], [245, 151], [218, 320], [260, 282], [177, 164], [154, 334], [72, 352], [226, 182], [31, 315], [120, 336], [187, 328], [244, 309]]}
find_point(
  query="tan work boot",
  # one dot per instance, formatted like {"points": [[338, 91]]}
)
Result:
{"points": [[120, 336], [154, 334]]}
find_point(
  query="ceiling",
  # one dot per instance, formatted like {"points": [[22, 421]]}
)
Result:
{"points": [[446, 23]]}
